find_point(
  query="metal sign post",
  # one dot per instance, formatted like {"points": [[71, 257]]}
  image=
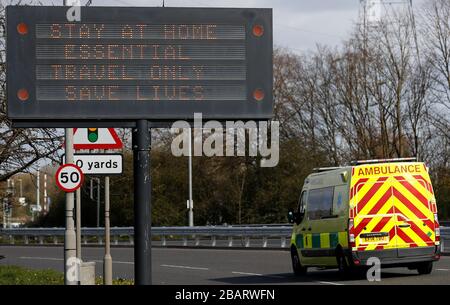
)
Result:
{"points": [[142, 203], [107, 260], [38, 188], [45, 194], [190, 202], [69, 234], [78, 221], [99, 186], [78, 213]]}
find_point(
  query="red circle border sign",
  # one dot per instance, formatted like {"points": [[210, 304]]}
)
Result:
{"points": [[61, 186]]}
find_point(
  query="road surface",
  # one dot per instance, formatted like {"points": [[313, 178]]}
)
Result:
{"points": [[214, 266]]}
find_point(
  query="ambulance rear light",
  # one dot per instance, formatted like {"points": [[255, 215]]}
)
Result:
{"points": [[361, 162], [437, 230], [437, 234], [351, 235], [351, 239]]}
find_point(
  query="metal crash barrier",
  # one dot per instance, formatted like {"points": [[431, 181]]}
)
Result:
{"points": [[270, 236]]}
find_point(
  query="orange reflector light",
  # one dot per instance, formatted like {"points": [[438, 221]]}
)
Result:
{"points": [[22, 94], [22, 28], [258, 30], [258, 94]]}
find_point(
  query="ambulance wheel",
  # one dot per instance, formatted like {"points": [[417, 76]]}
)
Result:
{"points": [[296, 264], [425, 268], [342, 263]]}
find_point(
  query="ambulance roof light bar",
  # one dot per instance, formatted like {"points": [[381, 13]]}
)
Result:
{"points": [[324, 169], [361, 162]]}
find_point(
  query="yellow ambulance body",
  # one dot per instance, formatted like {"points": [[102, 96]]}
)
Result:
{"points": [[380, 208]]}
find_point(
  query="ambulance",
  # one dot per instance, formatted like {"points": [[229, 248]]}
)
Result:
{"points": [[373, 210]]}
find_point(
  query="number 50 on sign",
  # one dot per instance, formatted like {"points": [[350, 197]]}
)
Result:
{"points": [[69, 177]]}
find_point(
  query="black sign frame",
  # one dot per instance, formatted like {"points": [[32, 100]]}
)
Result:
{"points": [[21, 70]]}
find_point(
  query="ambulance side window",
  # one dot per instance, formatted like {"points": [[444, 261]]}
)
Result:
{"points": [[302, 203], [339, 205], [320, 203]]}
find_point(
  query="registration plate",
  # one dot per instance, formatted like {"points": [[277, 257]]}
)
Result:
{"points": [[375, 239]]}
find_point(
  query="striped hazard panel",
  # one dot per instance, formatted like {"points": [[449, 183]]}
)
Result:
{"points": [[392, 206]]}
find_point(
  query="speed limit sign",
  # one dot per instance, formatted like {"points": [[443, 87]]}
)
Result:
{"points": [[69, 177]]}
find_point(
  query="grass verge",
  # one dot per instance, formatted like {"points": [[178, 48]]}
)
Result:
{"points": [[15, 275]]}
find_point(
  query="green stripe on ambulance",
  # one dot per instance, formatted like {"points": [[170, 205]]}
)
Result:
{"points": [[321, 240]]}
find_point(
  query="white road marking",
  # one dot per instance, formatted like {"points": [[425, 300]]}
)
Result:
{"points": [[42, 258], [120, 262], [185, 267], [114, 262], [60, 259], [258, 274], [441, 269], [329, 283], [246, 273]]}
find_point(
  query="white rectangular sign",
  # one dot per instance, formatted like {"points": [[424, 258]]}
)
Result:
{"points": [[98, 164]]}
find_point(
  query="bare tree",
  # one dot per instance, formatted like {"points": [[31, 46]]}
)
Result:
{"points": [[435, 29], [20, 148]]}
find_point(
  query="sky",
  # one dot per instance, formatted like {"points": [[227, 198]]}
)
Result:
{"points": [[297, 24]]}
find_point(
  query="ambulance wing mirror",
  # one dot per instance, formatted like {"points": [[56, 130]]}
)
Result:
{"points": [[295, 217], [290, 216]]}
